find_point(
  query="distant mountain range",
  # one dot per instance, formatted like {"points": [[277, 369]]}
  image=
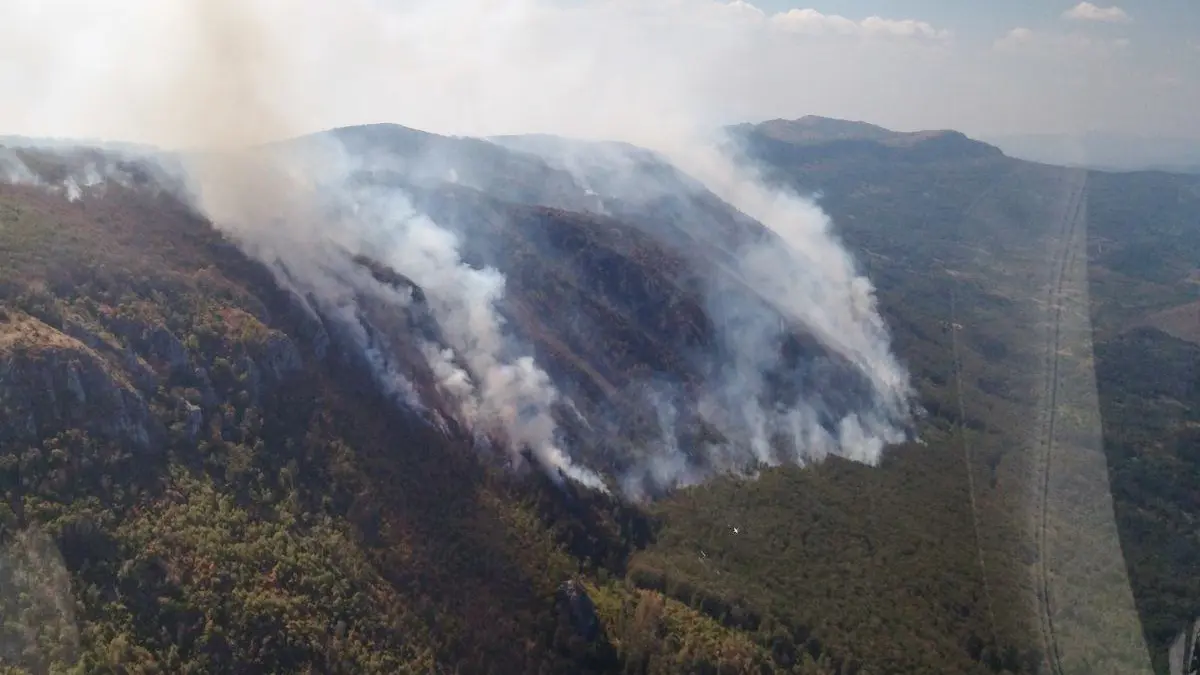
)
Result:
{"points": [[1094, 150], [841, 136]]}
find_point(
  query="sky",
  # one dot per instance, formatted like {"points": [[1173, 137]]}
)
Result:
{"points": [[116, 69]]}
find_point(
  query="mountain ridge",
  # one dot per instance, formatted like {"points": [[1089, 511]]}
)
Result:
{"points": [[815, 130], [392, 544]]}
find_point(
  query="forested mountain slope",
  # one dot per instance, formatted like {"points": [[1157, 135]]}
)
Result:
{"points": [[203, 476], [967, 238]]}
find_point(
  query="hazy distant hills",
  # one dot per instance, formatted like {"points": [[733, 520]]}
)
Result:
{"points": [[841, 137], [1096, 150], [1100, 150]]}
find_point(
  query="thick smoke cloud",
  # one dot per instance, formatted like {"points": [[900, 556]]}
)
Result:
{"points": [[804, 280], [498, 391], [221, 79]]}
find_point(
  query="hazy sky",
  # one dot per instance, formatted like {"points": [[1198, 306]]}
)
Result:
{"points": [[625, 68]]}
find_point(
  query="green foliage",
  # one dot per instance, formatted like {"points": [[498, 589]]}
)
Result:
{"points": [[841, 561], [284, 519], [1152, 435], [978, 231], [293, 525]]}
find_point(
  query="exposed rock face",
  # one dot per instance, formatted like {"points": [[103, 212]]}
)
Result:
{"points": [[155, 343], [163, 345], [139, 372], [386, 275], [193, 421], [208, 395], [573, 596], [280, 357], [50, 382], [419, 319], [269, 365], [311, 330]]}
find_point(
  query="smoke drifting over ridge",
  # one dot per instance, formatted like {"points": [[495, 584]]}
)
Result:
{"points": [[222, 78]]}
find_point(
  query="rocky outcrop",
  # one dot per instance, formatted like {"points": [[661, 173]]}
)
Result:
{"points": [[193, 421], [50, 382], [390, 277], [203, 384], [573, 597], [155, 343], [280, 357], [163, 345], [140, 374]]}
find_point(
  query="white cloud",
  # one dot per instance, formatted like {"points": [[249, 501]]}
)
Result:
{"points": [[743, 9], [1086, 11], [812, 22], [874, 25], [1025, 40], [1015, 38]]}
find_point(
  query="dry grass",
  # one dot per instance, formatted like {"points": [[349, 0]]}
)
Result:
{"points": [[20, 332]]}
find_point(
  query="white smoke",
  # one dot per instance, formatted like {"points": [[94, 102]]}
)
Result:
{"points": [[289, 204], [667, 465], [81, 175], [811, 280], [36, 601], [337, 297], [499, 395], [13, 169], [806, 280], [71, 187], [79, 182], [225, 75], [810, 277]]}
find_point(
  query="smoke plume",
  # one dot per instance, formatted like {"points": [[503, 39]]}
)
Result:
{"points": [[498, 391], [13, 169], [223, 80]]}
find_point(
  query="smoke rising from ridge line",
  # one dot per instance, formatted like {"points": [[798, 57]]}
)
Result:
{"points": [[225, 78], [218, 99]]}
